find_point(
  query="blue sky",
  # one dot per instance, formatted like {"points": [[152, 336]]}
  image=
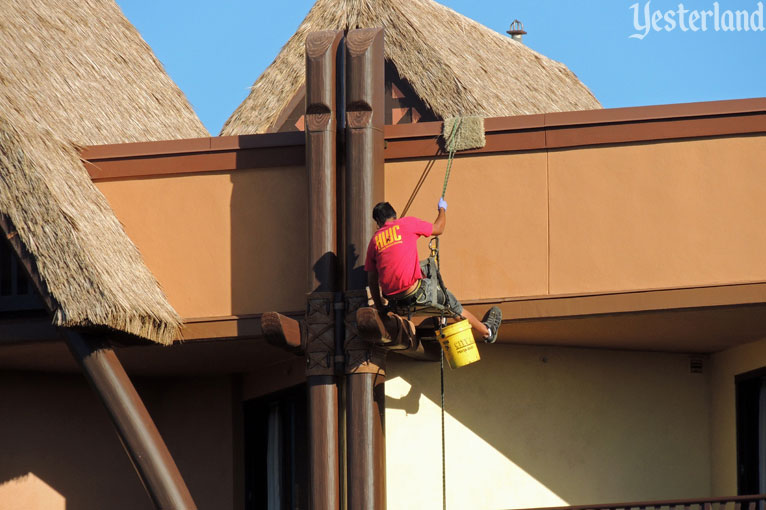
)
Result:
{"points": [[215, 50]]}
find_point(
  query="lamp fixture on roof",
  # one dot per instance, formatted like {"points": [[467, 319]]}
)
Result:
{"points": [[517, 30]]}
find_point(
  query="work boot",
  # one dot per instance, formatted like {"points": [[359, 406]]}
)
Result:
{"points": [[492, 320]]}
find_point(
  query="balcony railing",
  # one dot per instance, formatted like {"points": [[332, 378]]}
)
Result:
{"points": [[753, 502]]}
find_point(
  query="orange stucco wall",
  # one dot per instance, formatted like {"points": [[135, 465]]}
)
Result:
{"points": [[583, 220], [496, 240], [221, 243], [602, 219], [658, 215]]}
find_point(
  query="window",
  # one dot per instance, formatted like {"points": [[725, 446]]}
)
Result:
{"points": [[751, 432], [276, 451]]}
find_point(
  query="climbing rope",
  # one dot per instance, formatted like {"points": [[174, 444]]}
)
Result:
{"points": [[444, 463], [450, 143], [433, 245]]}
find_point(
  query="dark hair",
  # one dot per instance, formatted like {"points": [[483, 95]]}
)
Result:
{"points": [[383, 212]]}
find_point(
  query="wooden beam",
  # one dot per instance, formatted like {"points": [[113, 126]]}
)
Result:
{"points": [[365, 363], [394, 333], [282, 331], [321, 157], [322, 52], [138, 433]]}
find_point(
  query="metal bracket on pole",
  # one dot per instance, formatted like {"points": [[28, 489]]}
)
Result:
{"points": [[320, 326]]}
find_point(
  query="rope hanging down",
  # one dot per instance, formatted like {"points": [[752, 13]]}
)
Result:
{"points": [[419, 185], [444, 451], [442, 322]]}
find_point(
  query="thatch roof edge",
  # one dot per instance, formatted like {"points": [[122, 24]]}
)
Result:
{"points": [[84, 265]]}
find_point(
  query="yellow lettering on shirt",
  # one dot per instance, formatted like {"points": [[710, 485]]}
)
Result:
{"points": [[387, 238]]}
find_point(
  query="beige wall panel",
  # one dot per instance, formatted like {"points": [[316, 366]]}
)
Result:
{"points": [[60, 450], [529, 426], [657, 215], [496, 241], [725, 366], [220, 244]]}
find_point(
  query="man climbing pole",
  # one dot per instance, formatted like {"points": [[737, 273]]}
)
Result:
{"points": [[393, 269]]}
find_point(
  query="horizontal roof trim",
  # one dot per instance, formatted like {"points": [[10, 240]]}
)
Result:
{"points": [[591, 117], [514, 309], [504, 134], [191, 145]]}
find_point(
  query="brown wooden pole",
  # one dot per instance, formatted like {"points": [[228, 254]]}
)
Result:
{"points": [[365, 363], [323, 402], [322, 51], [365, 117], [321, 155], [366, 441], [138, 433]]}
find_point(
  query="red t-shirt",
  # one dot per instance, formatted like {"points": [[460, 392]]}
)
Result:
{"points": [[393, 251]]}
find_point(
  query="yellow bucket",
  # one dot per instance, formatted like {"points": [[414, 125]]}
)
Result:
{"points": [[458, 344]]}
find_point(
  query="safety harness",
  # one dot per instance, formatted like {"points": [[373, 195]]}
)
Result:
{"points": [[418, 302]]}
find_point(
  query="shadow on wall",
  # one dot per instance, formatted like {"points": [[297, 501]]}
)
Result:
{"points": [[592, 426]]}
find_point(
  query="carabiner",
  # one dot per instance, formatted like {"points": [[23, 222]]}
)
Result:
{"points": [[433, 245]]}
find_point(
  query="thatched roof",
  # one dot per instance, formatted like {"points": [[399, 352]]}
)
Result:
{"points": [[81, 69], [75, 72], [457, 66], [91, 273]]}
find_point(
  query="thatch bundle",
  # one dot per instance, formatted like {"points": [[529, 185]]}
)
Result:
{"points": [[81, 69], [463, 133], [457, 66], [75, 72]]}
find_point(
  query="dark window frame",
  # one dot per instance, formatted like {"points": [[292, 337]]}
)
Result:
{"points": [[291, 404]]}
